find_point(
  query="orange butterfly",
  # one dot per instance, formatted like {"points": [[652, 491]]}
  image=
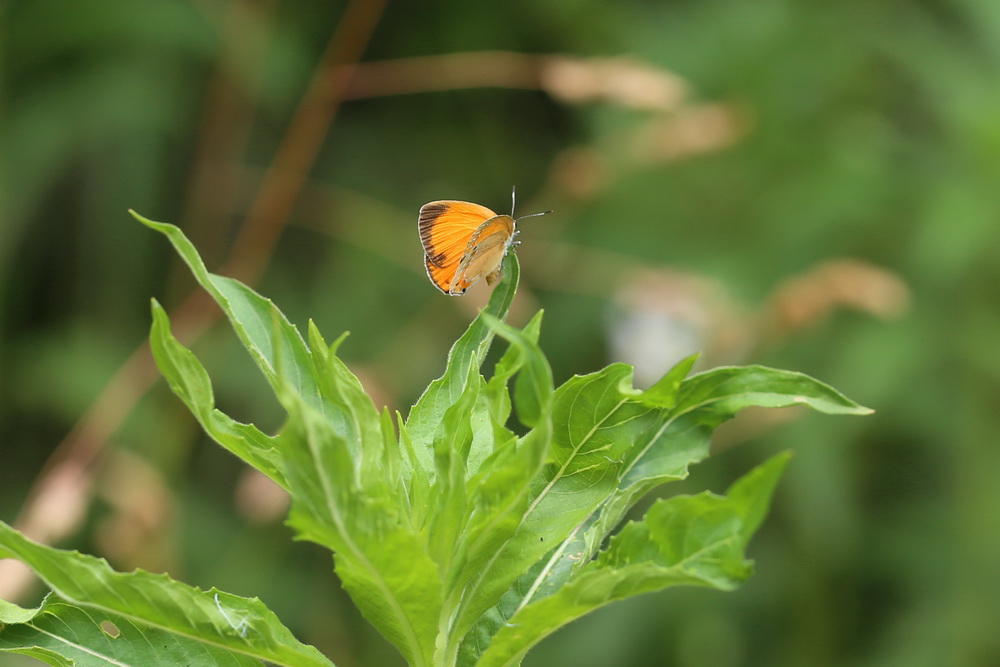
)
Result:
{"points": [[464, 242]]}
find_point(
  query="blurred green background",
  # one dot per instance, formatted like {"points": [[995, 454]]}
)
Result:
{"points": [[808, 185]]}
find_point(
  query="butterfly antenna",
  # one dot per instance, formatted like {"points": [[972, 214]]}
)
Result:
{"points": [[513, 201], [533, 215]]}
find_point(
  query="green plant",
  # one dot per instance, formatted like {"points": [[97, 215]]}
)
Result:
{"points": [[462, 540]]}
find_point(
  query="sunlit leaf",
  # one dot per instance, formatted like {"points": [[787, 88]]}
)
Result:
{"points": [[686, 540], [462, 537], [189, 380], [160, 621], [339, 503], [470, 349]]}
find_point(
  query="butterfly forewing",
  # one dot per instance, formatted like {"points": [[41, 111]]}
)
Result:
{"points": [[444, 278], [446, 228]]}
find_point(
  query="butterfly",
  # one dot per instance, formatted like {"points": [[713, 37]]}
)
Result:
{"points": [[464, 242]]}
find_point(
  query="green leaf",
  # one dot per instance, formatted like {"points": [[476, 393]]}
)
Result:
{"points": [[499, 493], [273, 342], [417, 485], [338, 502], [356, 416], [495, 404], [189, 380], [161, 621], [594, 425], [533, 388], [459, 539], [680, 436], [66, 634], [265, 332], [687, 540], [612, 445], [468, 351], [728, 389], [334, 458], [663, 394], [451, 448]]}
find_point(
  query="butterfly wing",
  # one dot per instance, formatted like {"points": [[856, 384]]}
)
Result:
{"points": [[486, 250], [446, 228], [462, 243], [444, 278]]}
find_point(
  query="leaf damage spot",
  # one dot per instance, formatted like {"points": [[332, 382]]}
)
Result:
{"points": [[110, 629]]}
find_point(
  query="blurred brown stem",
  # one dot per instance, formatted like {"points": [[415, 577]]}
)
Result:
{"points": [[451, 71], [283, 181], [261, 230], [620, 80]]}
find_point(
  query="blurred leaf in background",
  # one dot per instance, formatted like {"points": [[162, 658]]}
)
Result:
{"points": [[806, 185]]}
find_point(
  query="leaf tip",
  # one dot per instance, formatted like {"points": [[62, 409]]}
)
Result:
{"points": [[138, 216], [335, 345], [163, 227]]}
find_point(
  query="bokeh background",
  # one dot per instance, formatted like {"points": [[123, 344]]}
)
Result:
{"points": [[808, 185]]}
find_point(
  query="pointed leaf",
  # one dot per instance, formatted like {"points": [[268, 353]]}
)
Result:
{"points": [[663, 394], [263, 329], [594, 425], [681, 435], [533, 388], [159, 618], [274, 342], [381, 560], [451, 446], [500, 492], [189, 380], [686, 540], [470, 348], [728, 389]]}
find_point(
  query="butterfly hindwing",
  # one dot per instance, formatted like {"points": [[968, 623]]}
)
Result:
{"points": [[485, 252], [444, 278]]}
